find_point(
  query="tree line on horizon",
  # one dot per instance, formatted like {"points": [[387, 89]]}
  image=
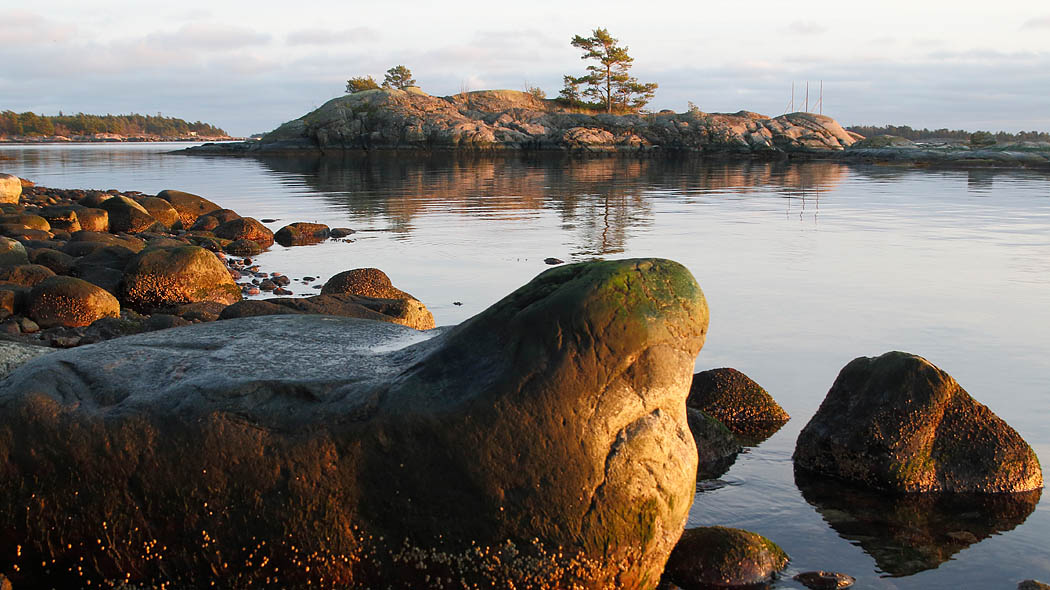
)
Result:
{"points": [[954, 134], [30, 124]]}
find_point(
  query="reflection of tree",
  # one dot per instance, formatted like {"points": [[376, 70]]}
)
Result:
{"points": [[909, 533], [600, 198]]}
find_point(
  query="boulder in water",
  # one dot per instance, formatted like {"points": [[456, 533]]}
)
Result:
{"points": [[896, 422]]}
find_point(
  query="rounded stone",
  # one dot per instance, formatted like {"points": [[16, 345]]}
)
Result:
{"points": [[160, 210], [722, 557], [822, 580], [367, 282], [167, 277], [93, 219], [897, 422], [245, 228], [188, 205], [10, 188], [125, 215], [12, 252], [69, 301], [26, 275], [302, 234], [734, 399]]}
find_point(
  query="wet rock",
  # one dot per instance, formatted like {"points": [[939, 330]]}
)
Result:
{"points": [[721, 557], [302, 234], [716, 445], [254, 307], [224, 215], [12, 252], [822, 580], [553, 261], [59, 262], [25, 275], [737, 401], [85, 242], [909, 533], [267, 285], [125, 215], [163, 321], [245, 228], [69, 301], [1032, 585], [896, 422], [341, 232], [16, 354], [343, 446], [10, 188], [28, 326], [188, 205], [282, 291], [175, 276]]}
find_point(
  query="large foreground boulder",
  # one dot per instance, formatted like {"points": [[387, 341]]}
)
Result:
{"points": [[896, 422], [542, 443]]}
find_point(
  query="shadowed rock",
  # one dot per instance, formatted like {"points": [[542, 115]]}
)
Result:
{"points": [[716, 445], [896, 422], [188, 205], [721, 557], [909, 533], [167, 277], [542, 443]]}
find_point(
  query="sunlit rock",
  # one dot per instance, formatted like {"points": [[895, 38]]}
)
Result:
{"points": [[540, 444]]}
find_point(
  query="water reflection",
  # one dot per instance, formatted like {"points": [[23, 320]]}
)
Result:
{"points": [[909, 533], [601, 201]]}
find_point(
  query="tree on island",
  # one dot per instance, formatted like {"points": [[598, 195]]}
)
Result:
{"points": [[398, 77], [360, 84], [607, 82]]}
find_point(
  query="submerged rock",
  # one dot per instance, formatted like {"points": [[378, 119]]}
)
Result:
{"points": [[896, 422], [822, 580], [721, 557], [302, 234], [716, 445], [513, 449]]}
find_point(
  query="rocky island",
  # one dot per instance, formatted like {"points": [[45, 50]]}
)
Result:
{"points": [[501, 120]]}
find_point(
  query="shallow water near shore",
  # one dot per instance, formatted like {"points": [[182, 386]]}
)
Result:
{"points": [[805, 266]]}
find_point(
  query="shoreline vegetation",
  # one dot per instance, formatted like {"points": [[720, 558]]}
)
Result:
{"points": [[30, 127]]}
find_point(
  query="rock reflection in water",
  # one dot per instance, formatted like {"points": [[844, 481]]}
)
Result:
{"points": [[601, 199], [909, 533]]}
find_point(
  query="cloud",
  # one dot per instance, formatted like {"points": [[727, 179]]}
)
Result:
{"points": [[331, 36], [807, 27], [210, 36], [1042, 22], [27, 28]]}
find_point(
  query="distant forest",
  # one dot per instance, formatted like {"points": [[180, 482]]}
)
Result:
{"points": [[957, 134], [133, 125]]}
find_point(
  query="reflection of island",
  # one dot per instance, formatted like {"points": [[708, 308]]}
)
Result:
{"points": [[909, 533], [601, 199]]}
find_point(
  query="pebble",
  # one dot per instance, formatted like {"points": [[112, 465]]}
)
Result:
{"points": [[554, 261], [267, 285], [281, 291], [457, 303], [29, 326], [309, 279], [251, 291], [317, 286], [235, 274], [822, 580], [281, 280]]}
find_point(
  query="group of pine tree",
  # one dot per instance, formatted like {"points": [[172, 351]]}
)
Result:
{"points": [[30, 124], [607, 86]]}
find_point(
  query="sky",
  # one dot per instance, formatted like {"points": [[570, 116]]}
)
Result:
{"points": [[248, 66]]}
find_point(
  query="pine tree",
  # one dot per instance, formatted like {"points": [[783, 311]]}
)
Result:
{"points": [[398, 77], [608, 81]]}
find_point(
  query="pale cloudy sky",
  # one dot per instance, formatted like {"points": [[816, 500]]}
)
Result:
{"points": [[248, 66]]}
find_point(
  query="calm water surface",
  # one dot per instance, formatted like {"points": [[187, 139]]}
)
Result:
{"points": [[805, 267]]}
